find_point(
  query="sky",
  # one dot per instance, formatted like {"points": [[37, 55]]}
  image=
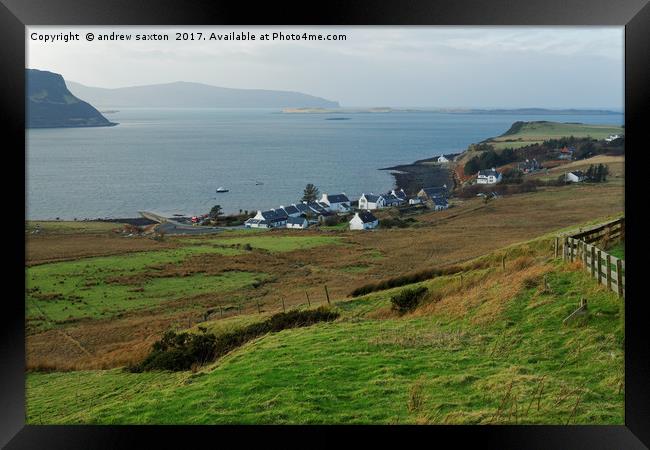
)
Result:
{"points": [[443, 67]]}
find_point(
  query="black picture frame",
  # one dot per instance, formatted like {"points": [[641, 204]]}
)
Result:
{"points": [[633, 14]]}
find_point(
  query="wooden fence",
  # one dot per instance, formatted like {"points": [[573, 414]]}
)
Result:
{"points": [[607, 269]]}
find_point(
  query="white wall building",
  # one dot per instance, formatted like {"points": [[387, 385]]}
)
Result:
{"points": [[297, 222], [490, 176], [336, 202], [363, 220], [371, 201]]}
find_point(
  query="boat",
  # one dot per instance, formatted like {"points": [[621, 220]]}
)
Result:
{"points": [[258, 183], [222, 189]]}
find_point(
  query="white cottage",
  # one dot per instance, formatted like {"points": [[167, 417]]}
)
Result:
{"points": [[371, 201], [336, 202], [490, 176], [297, 222], [363, 220]]}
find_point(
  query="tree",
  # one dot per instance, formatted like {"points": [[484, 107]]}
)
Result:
{"points": [[310, 194], [215, 212]]}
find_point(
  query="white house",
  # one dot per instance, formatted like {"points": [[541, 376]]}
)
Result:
{"points": [[273, 217], [371, 201], [363, 220], [442, 159], [415, 201], [612, 137], [256, 223], [490, 176], [336, 202], [574, 177], [297, 222]]}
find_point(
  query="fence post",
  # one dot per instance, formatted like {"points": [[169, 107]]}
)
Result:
{"points": [[599, 267], [307, 294], [585, 255], [328, 295], [608, 261], [593, 261], [619, 278], [557, 239], [283, 308]]}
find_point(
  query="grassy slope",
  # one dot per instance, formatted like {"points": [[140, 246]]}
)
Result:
{"points": [[106, 286], [482, 354], [536, 132]]}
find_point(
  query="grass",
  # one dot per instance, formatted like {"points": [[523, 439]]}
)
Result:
{"points": [[63, 226], [274, 243], [489, 351], [618, 250], [103, 287]]}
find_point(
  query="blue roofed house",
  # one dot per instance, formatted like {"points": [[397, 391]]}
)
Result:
{"points": [[273, 217], [439, 203], [297, 222], [429, 193], [371, 201], [291, 210], [363, 220], [336, 202]]}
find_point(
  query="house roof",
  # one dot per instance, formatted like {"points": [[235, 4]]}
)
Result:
{"points": [[291, 209], [488, 173], [256, 221], [399, 193], [578, 173], [337, 198], [366, 216], [301, 207], [438, 201], [435, 191], [371, 197]]}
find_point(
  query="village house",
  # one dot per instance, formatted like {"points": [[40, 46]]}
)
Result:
{"points": [[490, 176], [371, 201], [429, 193], [273, 217], [529, 166], [415, 201], [612, 137], [336, 202], [442, 159], [256, 223], [574, 177], [363, 220], [291, 211], [439, 203], [297, 222]]}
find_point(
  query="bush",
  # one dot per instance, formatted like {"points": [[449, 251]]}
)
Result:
{"points": [[179, 351], [183, 351], [408, 299]]}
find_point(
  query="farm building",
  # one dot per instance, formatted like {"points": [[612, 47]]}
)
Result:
{"points": [[297, 222], [371, 201], [530, 165], [490, 176], [363, 220], [336, 202], [574, 177]]}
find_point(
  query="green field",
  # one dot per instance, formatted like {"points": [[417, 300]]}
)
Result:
{"points": [[537, 132], [102, 287], [498, 354], [52, 226], [273, 243]]}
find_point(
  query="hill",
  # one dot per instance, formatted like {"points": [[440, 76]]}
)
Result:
{"points": [[526, 133], [486, 346], [49, 104], [196, 95]]}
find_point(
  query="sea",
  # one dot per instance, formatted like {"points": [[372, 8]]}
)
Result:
{"points": [[172, 160]]}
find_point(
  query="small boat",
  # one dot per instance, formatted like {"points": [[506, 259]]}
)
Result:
{"points": [[258, 183], [222, 189]]}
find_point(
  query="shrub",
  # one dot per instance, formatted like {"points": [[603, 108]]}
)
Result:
{"points": [[408, 299], [185, 351]]}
